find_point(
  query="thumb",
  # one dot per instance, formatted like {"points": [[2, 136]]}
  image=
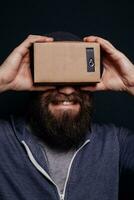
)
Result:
{"points": [[96, 87]]}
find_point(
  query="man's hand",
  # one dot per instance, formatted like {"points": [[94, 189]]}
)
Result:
{"points": [[15, 73], [118, 71]]}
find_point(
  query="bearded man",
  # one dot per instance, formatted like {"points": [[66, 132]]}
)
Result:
{"points": [[55, 151]]}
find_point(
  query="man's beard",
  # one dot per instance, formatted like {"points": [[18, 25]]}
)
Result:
{"points": [[66, 129]]}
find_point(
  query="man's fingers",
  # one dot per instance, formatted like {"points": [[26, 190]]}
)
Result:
{"points": [[97, 87], [42, 88], [35, 38], [99, 40], [105, 45], [22, 49], [19, 52]]}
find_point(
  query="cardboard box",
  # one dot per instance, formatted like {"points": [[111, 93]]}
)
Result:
{"points": [[66, 63]]}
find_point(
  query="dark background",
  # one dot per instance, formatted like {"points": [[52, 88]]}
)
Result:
{"points": [[113, 20]]}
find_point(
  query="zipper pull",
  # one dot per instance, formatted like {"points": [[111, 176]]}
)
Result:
{"points": [[61, 197]]}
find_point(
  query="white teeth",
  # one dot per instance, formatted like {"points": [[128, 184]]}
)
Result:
{"points": [[66, 102]]}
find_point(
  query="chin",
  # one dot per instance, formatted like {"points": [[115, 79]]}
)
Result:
{"points": [[58, 114]]}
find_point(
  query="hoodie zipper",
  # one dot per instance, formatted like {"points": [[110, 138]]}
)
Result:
{"points": [[61, 197], [35, 163], [69, 168]]}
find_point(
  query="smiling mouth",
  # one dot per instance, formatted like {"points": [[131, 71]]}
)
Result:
{"points": [[64, 102], [65, 105], [60, 105]]}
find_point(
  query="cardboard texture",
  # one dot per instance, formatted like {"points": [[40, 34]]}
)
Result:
{"points": [[66, 63]]}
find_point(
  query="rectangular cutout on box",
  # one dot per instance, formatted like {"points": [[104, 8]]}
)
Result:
{"points": [[90, 60]]}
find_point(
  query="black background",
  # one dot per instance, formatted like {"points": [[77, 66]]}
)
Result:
{"points": [[113, 20]]}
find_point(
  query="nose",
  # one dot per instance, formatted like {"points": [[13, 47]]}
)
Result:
{"points": [[67, 90]]}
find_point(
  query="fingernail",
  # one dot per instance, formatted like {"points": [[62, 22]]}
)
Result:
{"points": [[49, 39]]}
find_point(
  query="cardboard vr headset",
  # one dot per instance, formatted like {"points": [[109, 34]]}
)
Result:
{"points": [[66, 63]]}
